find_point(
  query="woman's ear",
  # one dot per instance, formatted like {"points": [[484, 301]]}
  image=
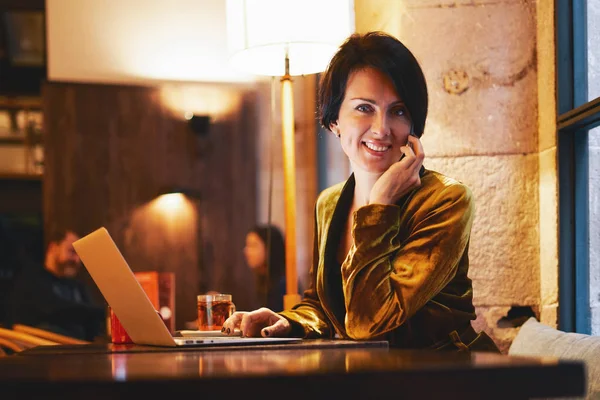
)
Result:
{"points": [[333, 127]]}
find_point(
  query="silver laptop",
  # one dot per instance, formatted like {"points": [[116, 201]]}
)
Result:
{"points": [[135, 311]]}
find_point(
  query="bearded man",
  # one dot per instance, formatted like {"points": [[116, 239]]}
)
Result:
{"points": [[51, 297]]}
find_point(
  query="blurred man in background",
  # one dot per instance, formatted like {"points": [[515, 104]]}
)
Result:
{"points": [[50, 297]]}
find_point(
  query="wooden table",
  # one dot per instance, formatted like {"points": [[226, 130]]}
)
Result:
{"points": [[313, 370]]}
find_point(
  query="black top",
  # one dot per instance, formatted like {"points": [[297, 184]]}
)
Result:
{"points": [[334, 268], [61, 305]]}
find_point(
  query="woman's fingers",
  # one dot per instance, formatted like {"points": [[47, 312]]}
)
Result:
{"points": [[412, 151], [247, 324], [417, 147], [414, 154], [413, 161], [402, 176], [233, 322], [254, 321], [281, 328], [409, 155]]}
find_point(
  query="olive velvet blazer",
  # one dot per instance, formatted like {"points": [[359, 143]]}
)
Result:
{"points": [[405, 278]]}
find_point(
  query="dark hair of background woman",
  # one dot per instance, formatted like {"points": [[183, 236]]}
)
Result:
{"points": [[275, 253]]}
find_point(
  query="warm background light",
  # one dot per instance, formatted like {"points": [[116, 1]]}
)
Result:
{"points": [[173, 211], [214, 99], [171, 202], [311, 30], [116, 41]]}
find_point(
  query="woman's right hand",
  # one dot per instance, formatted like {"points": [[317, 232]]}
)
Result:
{"points": [[262, 322], [401, 177]]}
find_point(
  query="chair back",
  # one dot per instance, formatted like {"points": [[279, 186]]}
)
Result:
{"points": [[47, 335]]}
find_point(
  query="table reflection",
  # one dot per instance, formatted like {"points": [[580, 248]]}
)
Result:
{"points": [[260, 363], [211, 364], [127, 366]]}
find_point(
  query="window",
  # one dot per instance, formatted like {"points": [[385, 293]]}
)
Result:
{"points": [[578, 85]]}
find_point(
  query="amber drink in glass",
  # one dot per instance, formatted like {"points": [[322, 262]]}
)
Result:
{"points": [[213, 310]]}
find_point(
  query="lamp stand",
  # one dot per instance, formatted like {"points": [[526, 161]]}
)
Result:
{"points": [[289, 186]]}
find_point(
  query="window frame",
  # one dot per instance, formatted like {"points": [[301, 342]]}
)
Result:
{"points": [[576, 116]]}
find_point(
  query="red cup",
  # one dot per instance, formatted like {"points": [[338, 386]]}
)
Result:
{"points": [[118, 334]]}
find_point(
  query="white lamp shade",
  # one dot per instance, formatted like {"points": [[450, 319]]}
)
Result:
{"points": [[261, 32]]}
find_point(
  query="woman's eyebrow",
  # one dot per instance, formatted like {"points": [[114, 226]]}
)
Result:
{"points": [[363, 99], [395, 103]]}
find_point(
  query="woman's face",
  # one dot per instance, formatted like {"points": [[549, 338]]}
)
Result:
{"points": [[254, 251], [373, 121]]}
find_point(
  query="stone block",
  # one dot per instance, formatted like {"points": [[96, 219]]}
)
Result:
{"points": [[487, 320], [550, 315], [594, 217], [378, 15], [504, 251], [456, 3], [548, 190], [546, 70], [493, 47]]}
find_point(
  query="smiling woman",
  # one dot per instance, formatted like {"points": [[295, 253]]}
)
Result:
{"points": [[391, 243]]}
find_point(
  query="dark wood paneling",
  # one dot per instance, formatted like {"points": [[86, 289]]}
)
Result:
{"points": [[20, 194], [110, 150], [17, 5]]}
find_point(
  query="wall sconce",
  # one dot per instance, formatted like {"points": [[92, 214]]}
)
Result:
{"points": [[177, 190], [174, 206], [199, 124]]}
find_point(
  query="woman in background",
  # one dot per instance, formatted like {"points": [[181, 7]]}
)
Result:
{"points": [[263, 240]]}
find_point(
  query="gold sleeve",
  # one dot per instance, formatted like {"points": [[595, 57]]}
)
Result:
{"points": [[403, 257]]}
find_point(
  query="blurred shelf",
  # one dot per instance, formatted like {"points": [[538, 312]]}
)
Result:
{"points": [[20, 103], [12, 141], [15, 176]]}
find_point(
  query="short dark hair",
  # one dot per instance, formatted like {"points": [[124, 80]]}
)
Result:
{"points": [[384, 53], [57, 234]]}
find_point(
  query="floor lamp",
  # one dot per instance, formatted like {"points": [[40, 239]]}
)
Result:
{"points": [[285, 38]]}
